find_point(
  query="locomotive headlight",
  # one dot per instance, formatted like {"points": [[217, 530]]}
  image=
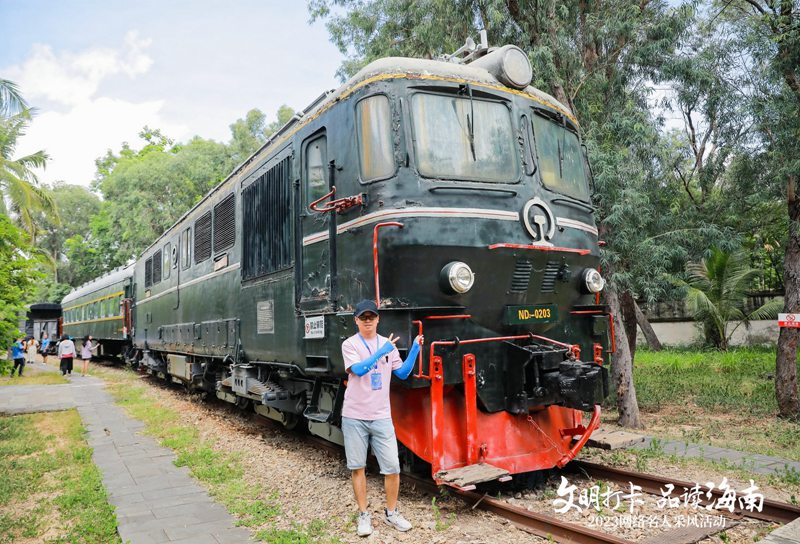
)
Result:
{"points": [[456, 277], [593, 282]]}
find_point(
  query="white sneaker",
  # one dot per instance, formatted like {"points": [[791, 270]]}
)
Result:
{"points": [[396, 520], [364, 524]]}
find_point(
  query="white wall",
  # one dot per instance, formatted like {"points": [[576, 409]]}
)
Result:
{"points": [[688, 332]]}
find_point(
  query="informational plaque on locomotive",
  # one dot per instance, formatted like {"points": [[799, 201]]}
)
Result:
{"points": [[265, 317], [524, 315]]}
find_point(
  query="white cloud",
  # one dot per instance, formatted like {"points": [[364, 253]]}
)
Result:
{"points": [[73, 78], [74, 139], [74, 126]]}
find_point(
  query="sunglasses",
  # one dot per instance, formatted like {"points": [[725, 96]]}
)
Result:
{"points": [[368, 317]]}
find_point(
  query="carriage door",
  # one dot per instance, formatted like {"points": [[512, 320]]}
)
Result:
{"points": [[315, 280]]}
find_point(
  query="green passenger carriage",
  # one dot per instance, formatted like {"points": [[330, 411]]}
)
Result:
{"points": [[101, 308]]}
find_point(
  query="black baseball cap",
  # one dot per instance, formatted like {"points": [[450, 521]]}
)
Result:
{"points": [[365, 306]]}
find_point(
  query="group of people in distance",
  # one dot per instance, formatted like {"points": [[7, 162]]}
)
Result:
{"points": [[24, 349]]}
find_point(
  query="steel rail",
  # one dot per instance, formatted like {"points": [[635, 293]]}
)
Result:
{"points": [[772, 510], [532, 522]]}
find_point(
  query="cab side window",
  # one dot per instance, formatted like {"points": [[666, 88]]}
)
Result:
{"points": [[375, 138], [316, 185]]}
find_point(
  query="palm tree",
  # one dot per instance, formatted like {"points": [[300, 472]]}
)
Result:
{"points": [[717, 291], [18, 184], [11, 101]]}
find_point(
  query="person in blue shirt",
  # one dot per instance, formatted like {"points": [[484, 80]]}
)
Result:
{"points": [[18, 354], [43, 347]]}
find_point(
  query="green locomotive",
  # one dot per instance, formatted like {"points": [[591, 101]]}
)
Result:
{"points": [[452, 193]]}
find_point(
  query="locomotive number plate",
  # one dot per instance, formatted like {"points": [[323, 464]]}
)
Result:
{"points": [[524, 315]]}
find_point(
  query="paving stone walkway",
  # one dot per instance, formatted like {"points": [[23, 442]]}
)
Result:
{"points": [[156, 502], [754, 462]]}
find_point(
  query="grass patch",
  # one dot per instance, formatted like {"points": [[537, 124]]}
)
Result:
{"points": [[33, 375], [50, 490], [221, 471], [724, 399], [740, 379]]}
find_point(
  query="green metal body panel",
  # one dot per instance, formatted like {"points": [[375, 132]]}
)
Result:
{"points": [[206, 310]]}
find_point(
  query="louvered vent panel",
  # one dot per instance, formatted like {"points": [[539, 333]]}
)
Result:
{"points": [[224, 224], [202, 238], [549, 278], [522, 276], [267, 223], [156, 267], [148, 272]]}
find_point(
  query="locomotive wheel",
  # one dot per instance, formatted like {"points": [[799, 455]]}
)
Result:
{"points": [[243, 403], [290, 421]]}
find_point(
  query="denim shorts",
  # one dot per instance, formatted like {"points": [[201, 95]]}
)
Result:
{"points": [[359, 434]]}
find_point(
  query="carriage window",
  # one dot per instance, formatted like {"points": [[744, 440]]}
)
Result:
{"points": [[165, 267], [560, 158], [148, 272], [316, 156], [459, 138], [185, 253], [375, 138]]}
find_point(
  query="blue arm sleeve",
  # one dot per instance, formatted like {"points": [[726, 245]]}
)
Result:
{"points": [[362, 367], [404, 371]]}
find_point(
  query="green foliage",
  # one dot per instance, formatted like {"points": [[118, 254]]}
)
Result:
{"points": [[75, 206], [144, 193], [18, 184], [17, 274], [441, 522], [11, 100], [717, 288], [250, 133]]}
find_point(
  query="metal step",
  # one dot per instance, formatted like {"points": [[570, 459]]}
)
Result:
{"points": [[466, 477], [322, 416]]}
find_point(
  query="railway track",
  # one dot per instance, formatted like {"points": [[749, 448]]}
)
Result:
{"points": [[773, 511], [550, 527]]}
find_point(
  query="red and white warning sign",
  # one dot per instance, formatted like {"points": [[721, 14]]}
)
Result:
{"points": [[789, 320]]}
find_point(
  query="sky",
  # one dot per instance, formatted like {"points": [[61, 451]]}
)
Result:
{"points": [[98, 71]]}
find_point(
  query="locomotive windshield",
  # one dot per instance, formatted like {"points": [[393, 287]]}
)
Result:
{"points": [[560, 158], [459, 138]]}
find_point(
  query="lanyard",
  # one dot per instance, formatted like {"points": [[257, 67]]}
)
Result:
{"points": [[377, 339]]}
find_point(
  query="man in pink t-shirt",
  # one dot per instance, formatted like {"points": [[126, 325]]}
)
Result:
{"points": [[370, 360]]}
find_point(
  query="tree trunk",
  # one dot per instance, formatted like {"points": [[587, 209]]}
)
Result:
{"points": [[786, 360], [628, 306], [622, 368], [647, 329]]}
